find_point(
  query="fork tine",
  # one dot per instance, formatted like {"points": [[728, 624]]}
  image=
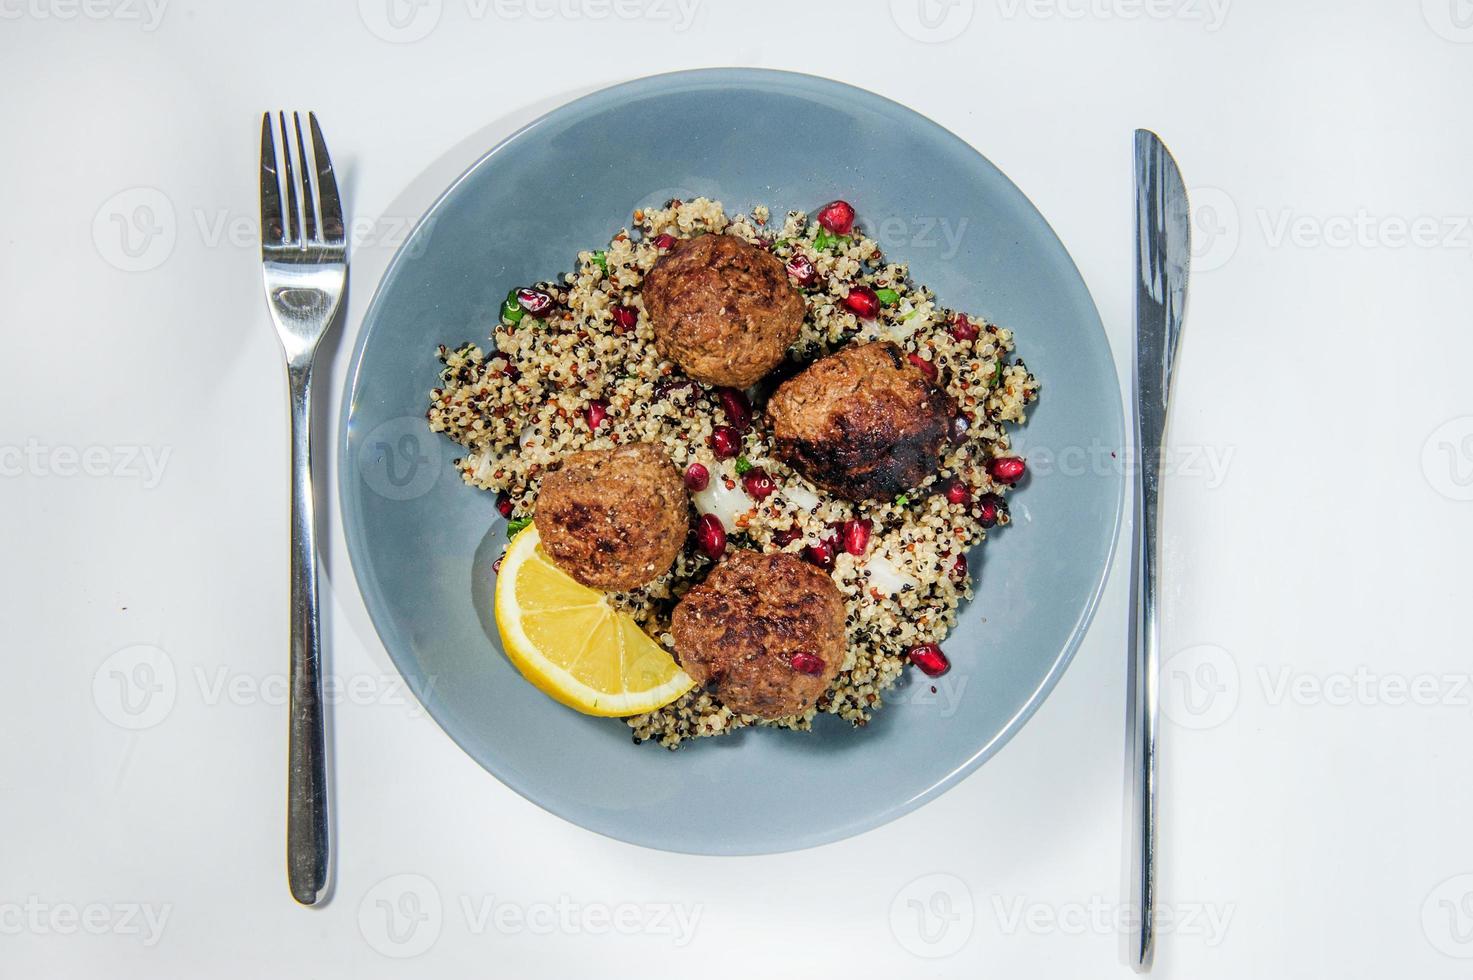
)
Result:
{"points": [[293, 222], [271, 224], [327, 187], [308, 210]]}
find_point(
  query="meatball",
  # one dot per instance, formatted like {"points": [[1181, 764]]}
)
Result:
{"points": [[722, 309], [766, 630], [863, 423], [614, 518]]}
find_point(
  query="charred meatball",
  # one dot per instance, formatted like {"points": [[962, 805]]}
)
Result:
{"points": [[614, 518], [863, 423], [722, 309], [766, 630]]}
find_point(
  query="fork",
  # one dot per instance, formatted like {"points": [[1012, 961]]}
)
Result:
{"points": [[304, 257]]}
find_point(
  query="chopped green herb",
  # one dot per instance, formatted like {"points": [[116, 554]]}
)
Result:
{"points": [[996, 377], [511, 310], [887, 297], [823, 240], [909, 315], [902, 500], [601, 259], [516, 526], [743, 466]]}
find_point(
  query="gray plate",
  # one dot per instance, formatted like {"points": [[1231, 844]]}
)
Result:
{"points": [[422, 543]]}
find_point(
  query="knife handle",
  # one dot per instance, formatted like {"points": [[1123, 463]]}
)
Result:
{"points": [[1145, 709]]}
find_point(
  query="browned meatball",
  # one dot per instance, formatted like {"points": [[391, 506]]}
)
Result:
{"points": [[722, 309], [863, 423], [614, 518], [766, 630]]}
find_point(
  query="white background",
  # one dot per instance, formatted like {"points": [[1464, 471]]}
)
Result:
{"points": [[1316, 772]]}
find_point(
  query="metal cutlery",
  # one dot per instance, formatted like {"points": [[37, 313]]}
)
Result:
{"points": [[304, 257], [1163, 257]]}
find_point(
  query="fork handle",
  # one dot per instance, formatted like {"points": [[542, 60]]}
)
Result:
{"points": [[307, 851]]}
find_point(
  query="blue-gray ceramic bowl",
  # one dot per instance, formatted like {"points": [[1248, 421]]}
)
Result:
{"points": [[422, 543]]}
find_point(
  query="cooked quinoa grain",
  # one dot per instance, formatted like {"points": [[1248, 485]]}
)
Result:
{"points": [[525, 401]]}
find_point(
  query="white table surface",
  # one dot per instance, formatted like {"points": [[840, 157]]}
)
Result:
{"points": [[1316, 773]]}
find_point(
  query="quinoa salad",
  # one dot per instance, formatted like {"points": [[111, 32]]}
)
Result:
{"points": [[573, 365]]}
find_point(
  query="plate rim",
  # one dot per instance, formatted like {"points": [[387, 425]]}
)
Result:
{"points": [[428, 696]]}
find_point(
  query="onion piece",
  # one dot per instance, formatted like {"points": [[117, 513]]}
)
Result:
{"points": [[886, 576], [726, 504]]}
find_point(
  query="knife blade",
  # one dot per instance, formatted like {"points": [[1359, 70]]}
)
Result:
{"points": [[1163, 264]]}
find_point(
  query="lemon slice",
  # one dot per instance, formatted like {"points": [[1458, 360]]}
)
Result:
{"points": [[570, 642]]}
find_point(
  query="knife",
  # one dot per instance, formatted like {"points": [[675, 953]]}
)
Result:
{"points": [[1163, 261]]}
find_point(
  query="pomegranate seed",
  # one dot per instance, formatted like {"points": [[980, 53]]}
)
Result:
{"points": [[697, 477], [726, 442], [837, 217], [930, 659], [928, 368], [534, 301], [1007, 469], [801, 269], [758, 484], [711, 536], [595, 414], [991, 506], [503, 504], [625, 317], [856, 536], [821, 554], [784, 538], [863, 302], [959, 428], [957, 492], [511, 371], [665, 242], [738, 410], [962, 328], [806, 663], [959, 568]]}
